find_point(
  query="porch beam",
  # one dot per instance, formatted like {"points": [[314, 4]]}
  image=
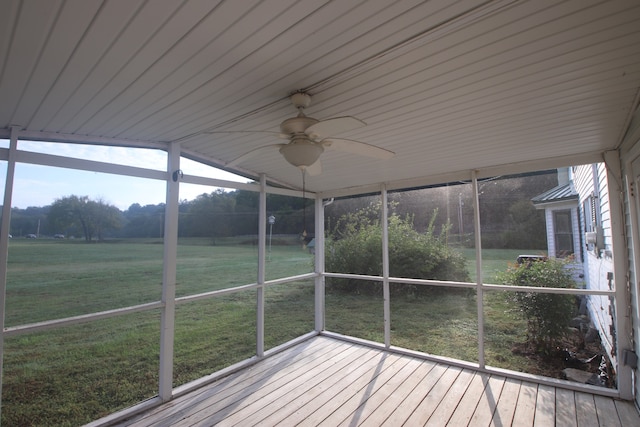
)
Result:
{"points": [[138, 172], [87, 165], [319, 281], [4, 241], [168, 318], [262, 245], [463, 175], [479, 279], [77, 320], [385, 266], [469, 285], [89, 140]]}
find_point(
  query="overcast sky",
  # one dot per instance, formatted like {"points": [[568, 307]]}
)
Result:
{"points": [[41, 185]]}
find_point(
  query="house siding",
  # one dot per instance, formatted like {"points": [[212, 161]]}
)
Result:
{"points": [[591, 181], [630, 150]]}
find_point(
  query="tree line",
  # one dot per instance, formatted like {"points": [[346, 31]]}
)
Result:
{"points": [[508, 218], [215, 215]]}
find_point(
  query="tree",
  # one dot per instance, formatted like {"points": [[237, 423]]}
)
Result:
{"points": [[508, 218], [73, 214], [526, 227], [144, 221], [32, 220], [247, 207], [211, 215]]}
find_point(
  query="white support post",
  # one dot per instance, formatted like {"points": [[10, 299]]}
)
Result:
{"points": [[386, 294], [262, 250], [479, 279], [621, 274], [168, 318], [4, 240], [319, 265]]}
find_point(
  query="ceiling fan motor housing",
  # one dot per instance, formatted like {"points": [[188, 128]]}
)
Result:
{"points": [[296, 125]]}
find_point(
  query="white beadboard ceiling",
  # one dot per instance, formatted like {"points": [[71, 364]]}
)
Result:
{"points": [[447, 85]]}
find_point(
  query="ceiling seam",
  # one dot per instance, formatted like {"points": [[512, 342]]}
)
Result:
{"points": [[64, 67], [97, 63], [142, 74], [36, 63], [413, 42], [10, 41], [199, 88], [118, 72], [483, 10]]}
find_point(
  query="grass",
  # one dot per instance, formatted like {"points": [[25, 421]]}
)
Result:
{"points": [[447, 328], [72, 375], [53, 279], [493, 261]]}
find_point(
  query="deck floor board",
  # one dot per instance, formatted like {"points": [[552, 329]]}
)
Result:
{"points": [[586, 416], [506, 405], [325, 381], [488, 402]]}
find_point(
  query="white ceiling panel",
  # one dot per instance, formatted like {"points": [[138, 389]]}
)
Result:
{"points": [[84, 61], [448, 86]]}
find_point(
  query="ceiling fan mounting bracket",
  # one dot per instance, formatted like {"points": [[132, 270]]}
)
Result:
{"points": [[300, 100]]}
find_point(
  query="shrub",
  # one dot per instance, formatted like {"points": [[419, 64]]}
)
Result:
{"points": [[547, 315], [355, 246]]}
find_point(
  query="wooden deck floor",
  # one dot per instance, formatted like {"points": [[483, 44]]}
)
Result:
{"points": [[324, 381]]}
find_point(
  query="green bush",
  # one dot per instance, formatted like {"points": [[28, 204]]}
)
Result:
{"points": [[547, 315], [355, 246]]}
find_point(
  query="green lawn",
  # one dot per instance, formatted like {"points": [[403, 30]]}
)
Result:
{"points": [[494, 261], [72, 375]]}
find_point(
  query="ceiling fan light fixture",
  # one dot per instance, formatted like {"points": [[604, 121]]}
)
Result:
{"points": [[301, 153]]}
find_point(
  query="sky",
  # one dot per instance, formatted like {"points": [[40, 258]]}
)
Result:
{"points": [[36, 185]]}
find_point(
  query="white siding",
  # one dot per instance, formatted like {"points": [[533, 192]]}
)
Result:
{"points": [[598, 262]]}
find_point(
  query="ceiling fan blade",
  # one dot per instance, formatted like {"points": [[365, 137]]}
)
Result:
{"points": [[253, 153], [240, 132], [315, 169], [334, 126], [214, 132], [357, 147]]}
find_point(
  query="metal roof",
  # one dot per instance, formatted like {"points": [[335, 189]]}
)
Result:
{"points": [[561, 193], [448, 86]]}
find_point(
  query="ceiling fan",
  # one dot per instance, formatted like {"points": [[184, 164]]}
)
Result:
{"points": [[309, 137]]}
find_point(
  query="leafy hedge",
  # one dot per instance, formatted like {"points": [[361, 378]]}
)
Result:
{"points": [[547, 315], [355, 246]]}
